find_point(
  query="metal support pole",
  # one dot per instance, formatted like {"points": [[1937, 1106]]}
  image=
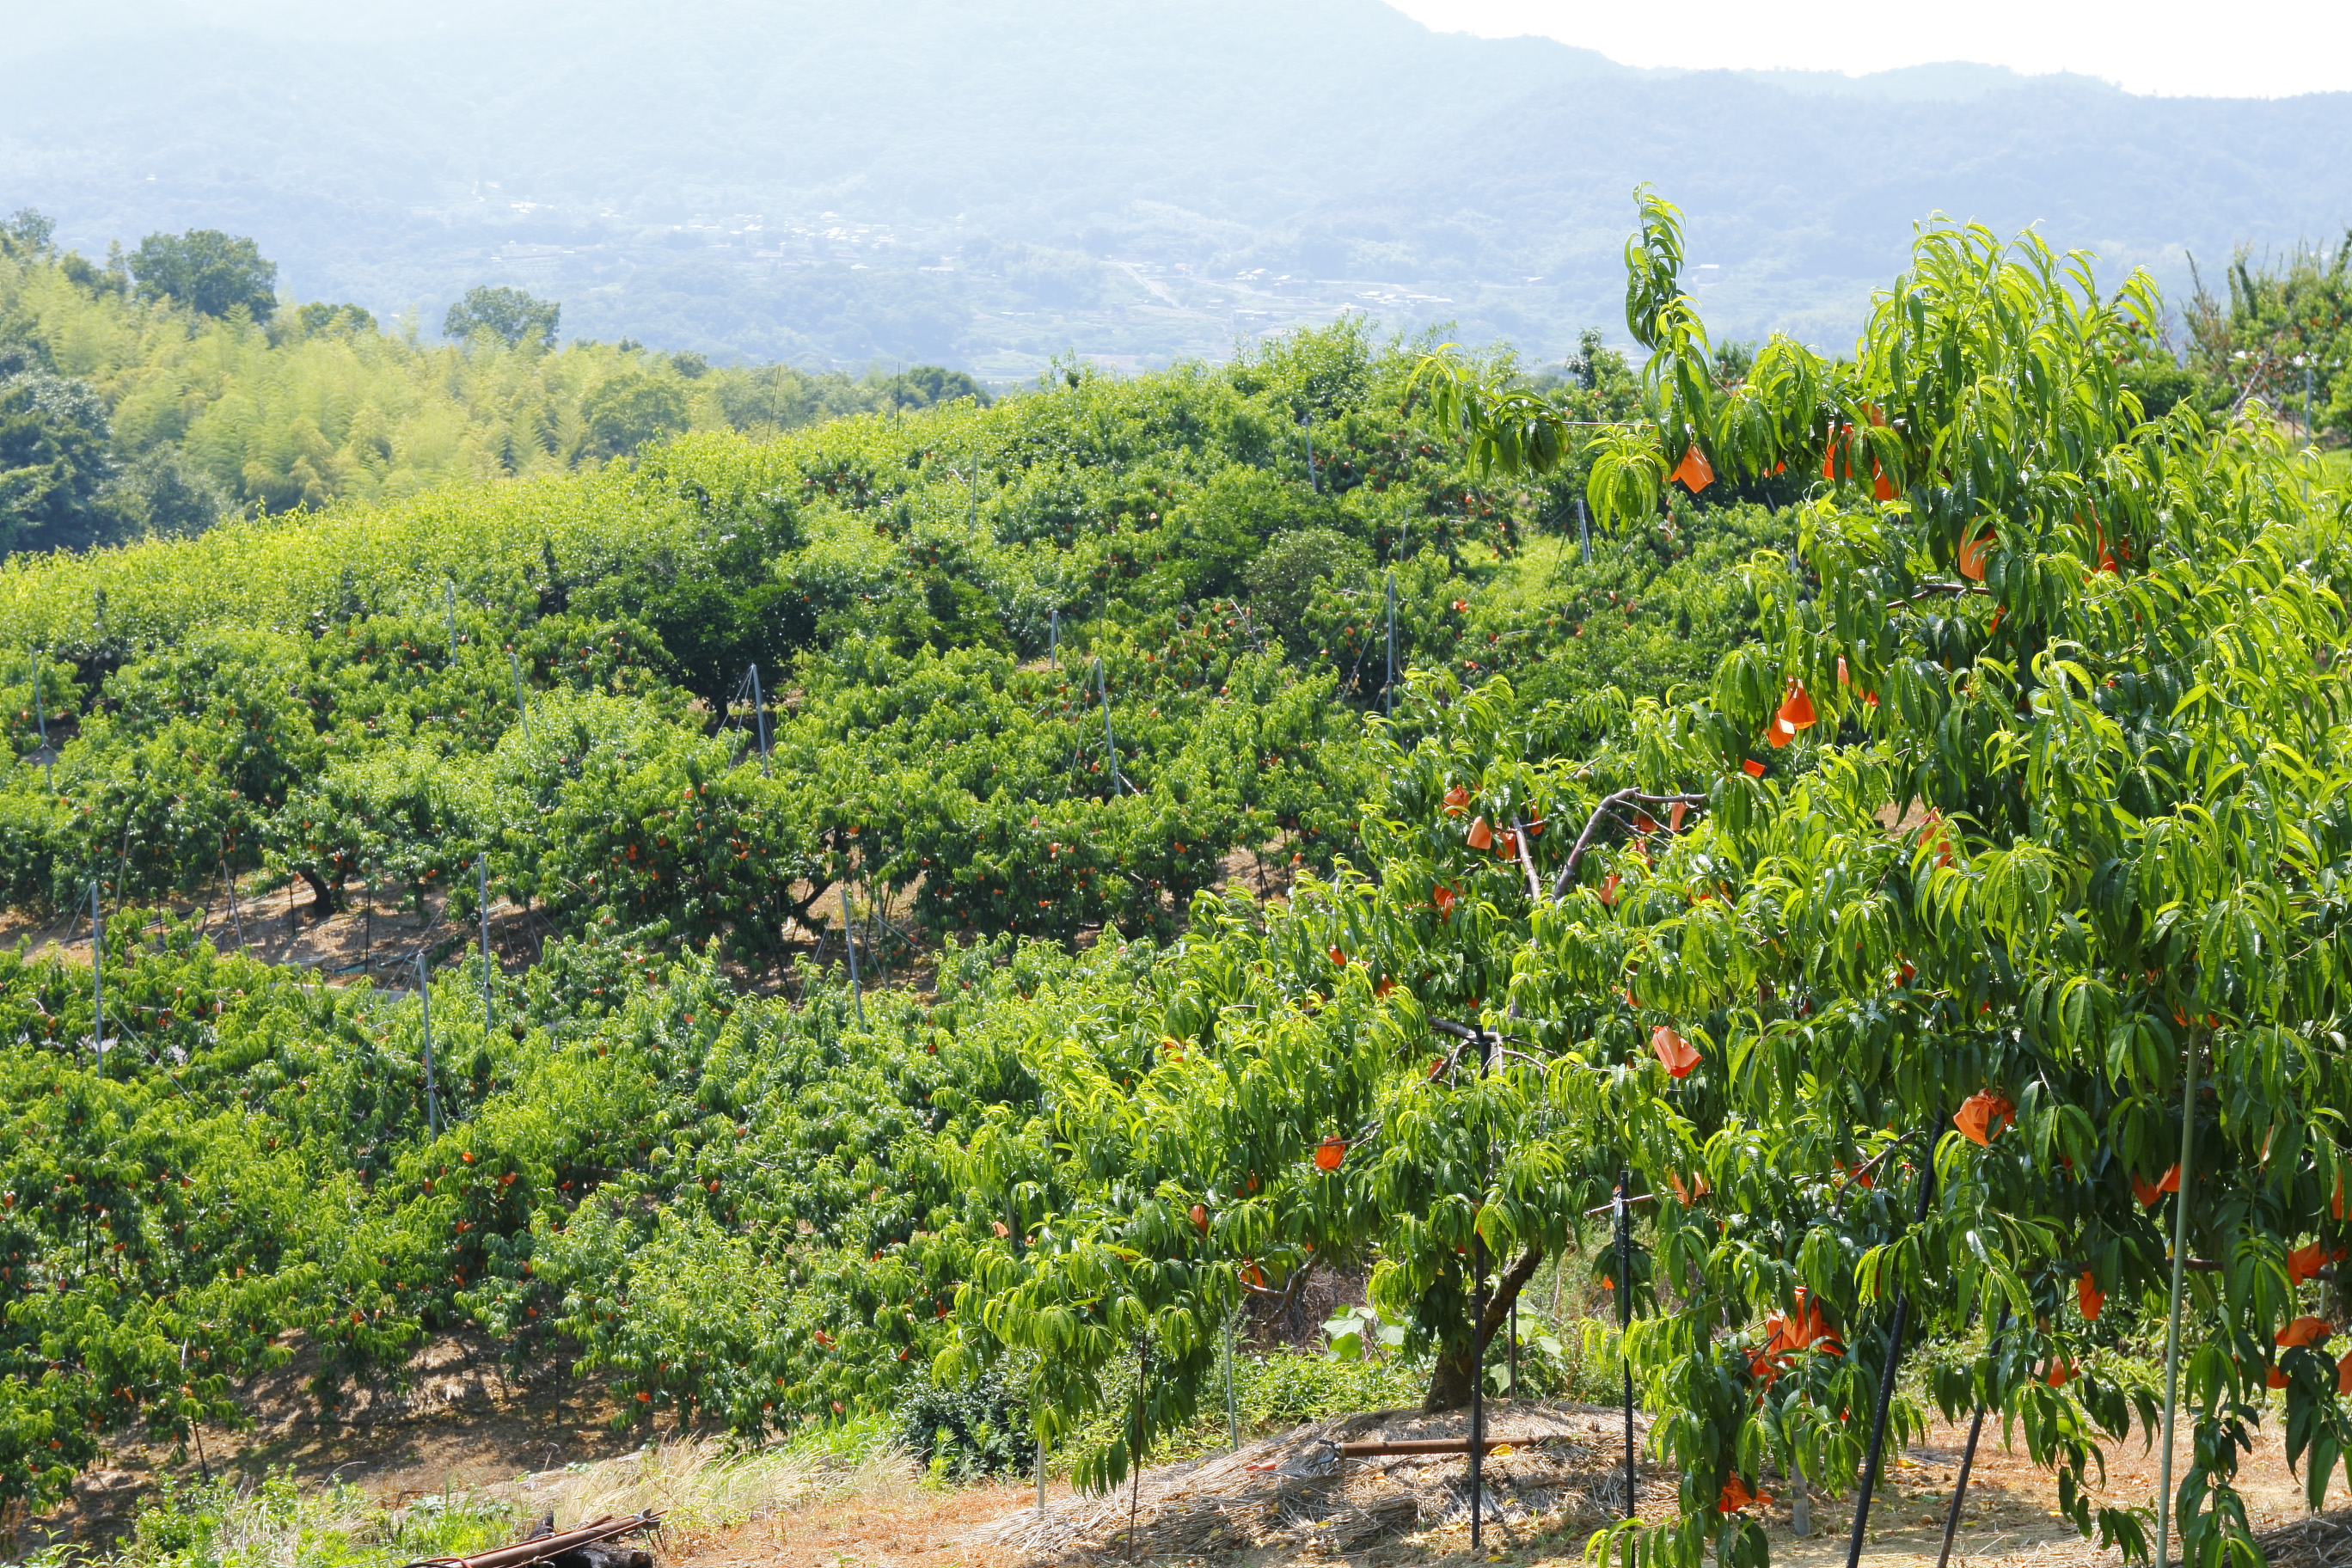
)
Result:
{"points": [[1625, 1323], [2172, 1321], [450, 606], [849, 939], [1477, 1378], [424, 997], [1388, 693], [1233, 1417], [1960, 1488], [1135, 1446], [1870, 1460], [41, 719], [98, 976], [482, 883], [760, 722], [1039, 1417], [523, 711], [1054, 637], [1583, 534], [1111, 744], [1478, 1339], [235, 915]]}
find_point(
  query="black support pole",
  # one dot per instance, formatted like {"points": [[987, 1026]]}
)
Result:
{"points": [[1625, 1324], [1870, 1461], [1478, 1341]]}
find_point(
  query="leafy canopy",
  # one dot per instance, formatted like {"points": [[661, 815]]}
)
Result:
{"points": [[507, 313], [209, 273]]}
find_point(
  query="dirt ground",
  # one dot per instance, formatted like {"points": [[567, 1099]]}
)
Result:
{"points": [[913, 1528], [380, 932], [457, 1426], [2010, 1519], [460, 1426], [379, 935]]}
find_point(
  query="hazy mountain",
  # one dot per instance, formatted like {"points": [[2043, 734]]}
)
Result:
{"points": [[992, 182]]}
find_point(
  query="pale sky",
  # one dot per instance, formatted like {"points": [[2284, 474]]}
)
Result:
{"points": [[2262, 50]]}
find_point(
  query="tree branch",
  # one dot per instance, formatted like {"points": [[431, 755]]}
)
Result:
{"points": [[1929, 590], [1608, 809], [1507, 1292], [1519, 837]]}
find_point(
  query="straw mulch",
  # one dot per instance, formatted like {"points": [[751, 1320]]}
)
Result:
{"points": [[2316, 1541], [1297, 1491]]}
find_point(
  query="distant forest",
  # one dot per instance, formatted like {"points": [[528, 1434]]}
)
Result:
{"points": [[168, 388]]}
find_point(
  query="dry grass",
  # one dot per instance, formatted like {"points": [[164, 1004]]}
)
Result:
{"points": [[2322, 1541], [705, 1484]]}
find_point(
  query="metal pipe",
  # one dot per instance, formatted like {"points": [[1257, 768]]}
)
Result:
{"points": [[1233, 1419], [482, 883], [1960, 1488], [521, 710], [41, 719], [1111, 744], [1388, 693], [527, 1551], [424, 998], [1135, 1447], [1870, 1460], [98, 976], [760, 722], [1478, 1333], [849, 939], [2172, 1320], [1372, 1449], [1477, 1442], [1625, 1324]]}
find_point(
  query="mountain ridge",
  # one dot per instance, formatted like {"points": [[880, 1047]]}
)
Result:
{"points": [[680, 180]]}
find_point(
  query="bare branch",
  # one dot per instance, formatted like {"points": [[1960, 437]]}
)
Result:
{"points": [[1608, 809], [1526, 860]]}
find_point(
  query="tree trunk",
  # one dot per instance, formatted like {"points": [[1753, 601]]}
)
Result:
{"points": [[1450, 1381], [322, 894]]}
